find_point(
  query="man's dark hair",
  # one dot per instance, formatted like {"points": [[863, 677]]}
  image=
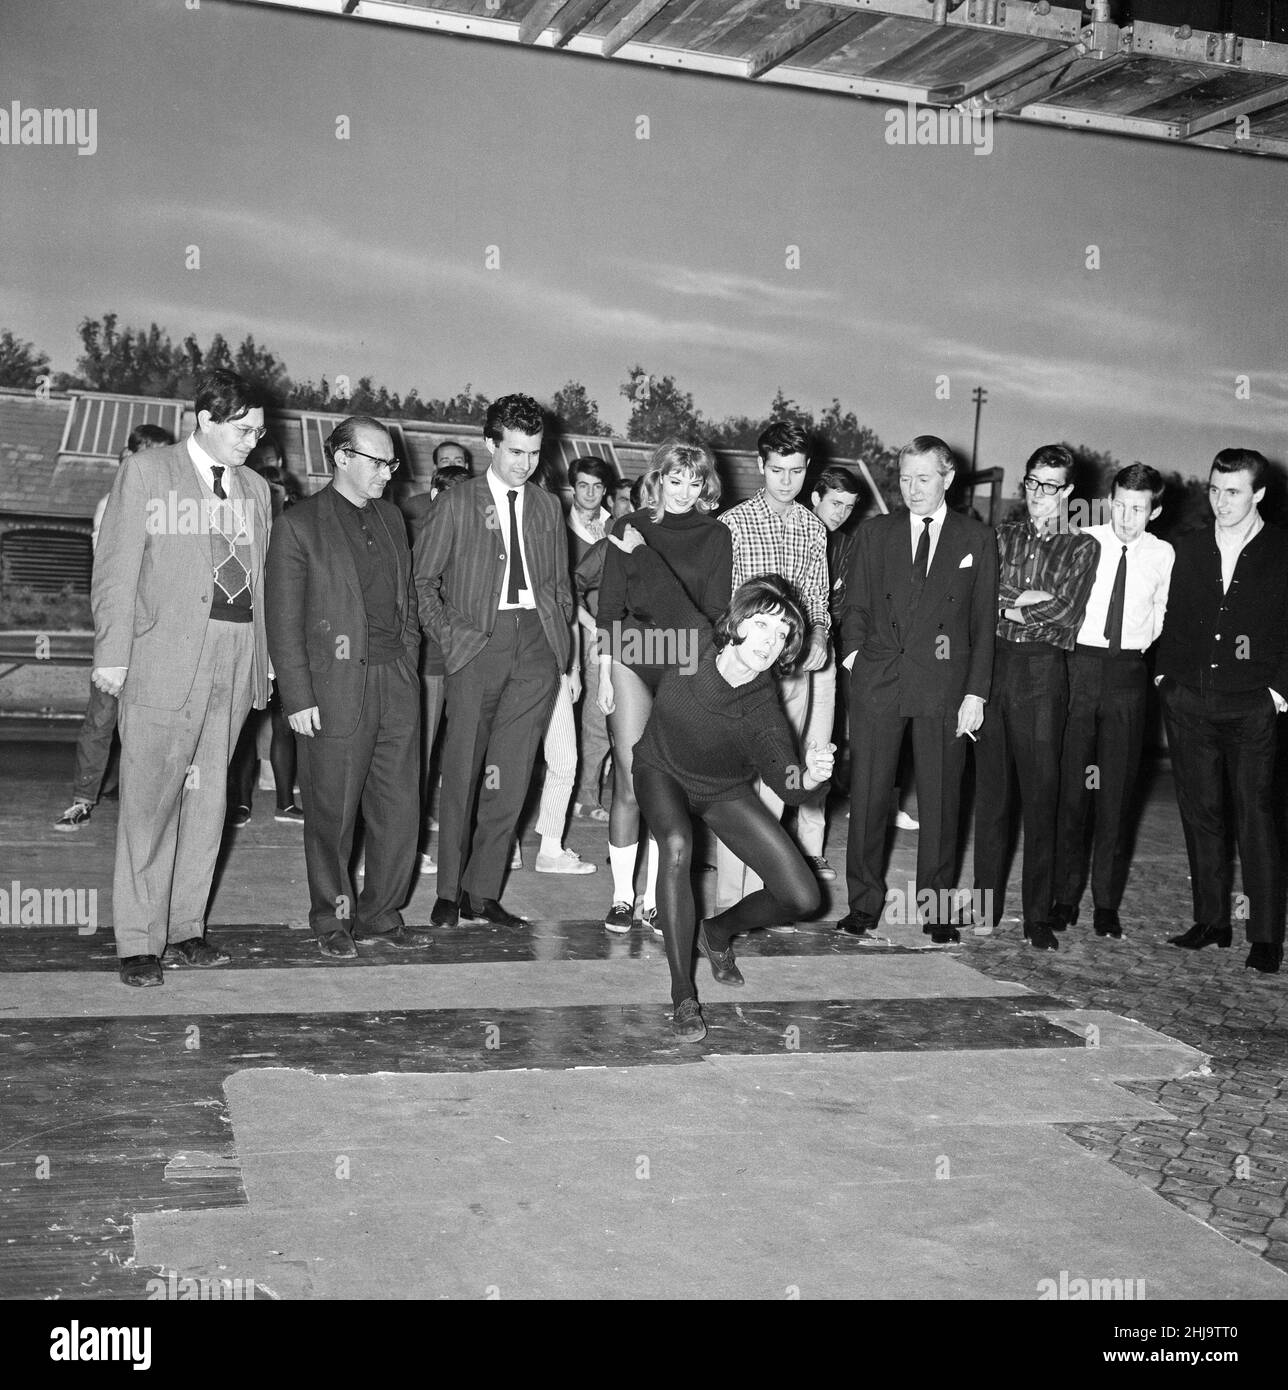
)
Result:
{"points": [[346, 432], [448, 476], [782, 437], [1139, 477], [455, 444], [767, 593], [147, 437], [1052, 456], [1243, 461], [588, 465], [226, 396], [929, 445], [519, 413], [835, 479]]}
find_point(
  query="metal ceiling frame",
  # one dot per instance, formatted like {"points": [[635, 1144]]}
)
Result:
{"points": [[1047, 67]]}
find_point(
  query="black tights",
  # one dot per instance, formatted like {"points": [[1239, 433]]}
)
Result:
{"points": [[632, 702], [748, 828]]}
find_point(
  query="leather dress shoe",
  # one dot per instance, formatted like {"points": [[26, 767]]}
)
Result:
{"points": [[1106, 922], [857, 924], [1040, 936], [488, 910], [197, 951], [402, 937], [1266, 956], [1062, 916], [945, 935], [1197, 937], [724, 968], [141, 971], [446, 913], [338, 944]]}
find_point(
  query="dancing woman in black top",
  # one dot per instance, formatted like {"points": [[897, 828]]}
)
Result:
{"points": [[712, 731]]}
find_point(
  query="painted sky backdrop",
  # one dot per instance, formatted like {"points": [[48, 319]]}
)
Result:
{"points": [[367, 256]]}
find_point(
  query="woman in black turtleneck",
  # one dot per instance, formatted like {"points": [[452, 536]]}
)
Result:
{"points": [[679, 493], [713, 730]]}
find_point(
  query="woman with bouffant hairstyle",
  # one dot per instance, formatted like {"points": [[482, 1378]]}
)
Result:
{"points": [[679, 491]]}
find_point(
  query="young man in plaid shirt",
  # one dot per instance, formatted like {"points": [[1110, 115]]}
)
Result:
{"points": [[775, 534]]}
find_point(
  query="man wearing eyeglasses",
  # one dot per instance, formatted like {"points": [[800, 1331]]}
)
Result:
{"points": [[179, 636], [344, 638], [1045, 574]]}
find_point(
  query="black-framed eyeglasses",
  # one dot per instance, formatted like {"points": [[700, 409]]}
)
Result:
{"points": [[1032, 484], [390, 464]]}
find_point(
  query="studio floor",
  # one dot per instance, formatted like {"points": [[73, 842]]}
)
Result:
{"points": [[505, 1113]]}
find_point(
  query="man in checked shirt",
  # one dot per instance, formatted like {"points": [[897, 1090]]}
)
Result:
{"points": [[1045, 574], [775, 534]]}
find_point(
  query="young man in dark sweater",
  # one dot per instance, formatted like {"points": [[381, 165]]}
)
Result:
{"points": [[1222, 675]]}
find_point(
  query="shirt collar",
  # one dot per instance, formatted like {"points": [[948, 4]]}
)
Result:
{"points": [[203, 463], [500, 489], [1254, 529], [936, 518]]}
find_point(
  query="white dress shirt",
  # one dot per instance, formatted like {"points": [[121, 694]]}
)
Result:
{"points": [[936, 526], [1149, 575], [1231, 547], [502, 501]]}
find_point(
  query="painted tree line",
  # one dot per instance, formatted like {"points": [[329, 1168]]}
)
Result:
{"points": [[147, 362]]}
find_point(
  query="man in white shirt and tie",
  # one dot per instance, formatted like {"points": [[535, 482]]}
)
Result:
{"points": [[495, 591], [1107, 686], [917, 631]]}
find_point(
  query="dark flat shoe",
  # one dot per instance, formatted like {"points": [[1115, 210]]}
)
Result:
{"points": [[197, 951], [141, 971]]}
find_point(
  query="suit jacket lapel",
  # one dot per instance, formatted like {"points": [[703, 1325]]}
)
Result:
{"points": [[399, 569], [947, 557], [898, 567], [337, 543]]}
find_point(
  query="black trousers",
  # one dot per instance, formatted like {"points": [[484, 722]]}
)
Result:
{"points": [[1022, 731], [1214, 737], [939, 758], [1098, 769], [376, 768], [497, 709], [748, 828]]}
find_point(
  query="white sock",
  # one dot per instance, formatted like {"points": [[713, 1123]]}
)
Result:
{"points": [[650, 876], [550, 845], [621, 860]]}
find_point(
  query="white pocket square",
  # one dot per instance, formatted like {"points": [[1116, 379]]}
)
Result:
{"points": [[967, 562]]}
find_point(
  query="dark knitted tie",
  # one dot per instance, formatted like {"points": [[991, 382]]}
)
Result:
{"points": [[217, 472], [1117, 606], [517, 579], [921, 562]]}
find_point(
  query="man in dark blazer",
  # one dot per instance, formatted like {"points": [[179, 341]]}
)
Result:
{"points": [[492, 578], [1222, 675], [344, 638], [178, 598], [917, 624]]}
